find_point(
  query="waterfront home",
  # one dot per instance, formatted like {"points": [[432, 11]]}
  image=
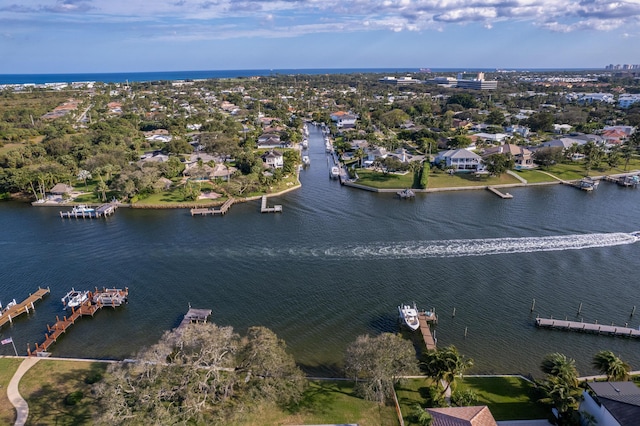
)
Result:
{"points": [[273, 159], [564, 143], [222, 171], [460, 160], [61, 190], [612, 403], [269, 140], [462, 416], [522, 157], [614, 136], [344, 119], [492, 137]]}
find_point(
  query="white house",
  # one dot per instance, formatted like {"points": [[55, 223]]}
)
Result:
{"points": [[461, 160], [273, 159], [492, 137], [344, 119], [627, 99], [612, 403]]}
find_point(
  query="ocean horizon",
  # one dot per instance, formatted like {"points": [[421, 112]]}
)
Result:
{"points": [[121, 77]]}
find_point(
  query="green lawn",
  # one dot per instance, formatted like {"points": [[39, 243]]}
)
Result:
{"points": [[384, 181], [508, 398], [534, 176], [8, 366], [458, 180]]}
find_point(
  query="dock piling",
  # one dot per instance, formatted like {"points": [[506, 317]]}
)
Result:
{"points": [[533, 305], [453, 315], [633, 311], [580, 308]]}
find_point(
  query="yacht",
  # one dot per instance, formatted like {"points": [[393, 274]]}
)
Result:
{"points": [[305, 160], [335, 172], [75, 298], [409, 315], [82, 208]]}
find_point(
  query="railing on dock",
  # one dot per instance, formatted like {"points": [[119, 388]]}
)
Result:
{"points": [[212, 210], [25, 306], [611, 330], [103, 210]]}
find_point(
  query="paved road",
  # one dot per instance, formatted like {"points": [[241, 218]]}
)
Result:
{"points": [[13, 393]]}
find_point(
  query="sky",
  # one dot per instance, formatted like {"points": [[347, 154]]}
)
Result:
{"points": [[81, 36]]}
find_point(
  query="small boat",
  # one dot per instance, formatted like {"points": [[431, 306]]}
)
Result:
{"points": [[305, 160], [335, 172], [82, 208], [305, 143], [409, 314], [75, 298], [9, 306], [588, 184], [406, 193]]}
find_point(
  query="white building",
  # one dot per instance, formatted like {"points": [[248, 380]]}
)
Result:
{"points": [[626, 100]]}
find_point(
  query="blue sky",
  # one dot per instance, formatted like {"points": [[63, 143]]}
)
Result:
{"points": [[65, 36]]}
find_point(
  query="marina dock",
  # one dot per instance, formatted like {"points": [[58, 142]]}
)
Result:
{"points": [[25, 306], [97, 300], [596, 328], [425, 318], [103, 210], [265, 209], [504, 195], [212, 210]]}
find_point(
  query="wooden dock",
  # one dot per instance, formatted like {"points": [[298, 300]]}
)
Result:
{"points": [[97, 300], [504, 195], [265, 209], [195, 316], [596, 328], [25, 306], [103, 210], [212, 210], [425, 318]]}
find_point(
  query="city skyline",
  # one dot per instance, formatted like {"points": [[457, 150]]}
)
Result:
{"points": [[67, 36]]}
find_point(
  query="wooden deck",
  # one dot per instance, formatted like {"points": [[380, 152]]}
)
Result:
{"points": [[195, 316], [424, 318], [504, 195], [265, 209], [212, 210], [596, 328], [103, 210], [96, 301], [25, 306]]}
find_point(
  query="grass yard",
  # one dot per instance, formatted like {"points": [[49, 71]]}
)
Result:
{"points": [[47, 385], [458, 180], [508, 398], [329, 402], [384, 181], [8, 367], [534, 176]]}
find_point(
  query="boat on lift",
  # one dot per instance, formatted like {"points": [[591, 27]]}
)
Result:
{"points": [[75, 298]]}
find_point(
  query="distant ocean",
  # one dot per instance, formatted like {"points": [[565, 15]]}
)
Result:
{"points": [[122, 77]]}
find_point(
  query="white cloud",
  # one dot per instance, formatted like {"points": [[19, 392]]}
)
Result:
{"points": [[340, 15]]}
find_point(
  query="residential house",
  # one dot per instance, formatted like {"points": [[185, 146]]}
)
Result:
{"points": [[462, 416], [460, 160], [61, 189], [626, 100], [154, 157], [492, 137], [612, 403], [614, 136], [374, 154], [523, 158], [628, 130], [518, 129], [273, 159], [561, 128], [344, 119], [564, 143], [269, 140]]}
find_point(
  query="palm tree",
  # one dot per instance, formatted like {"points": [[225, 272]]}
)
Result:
{"points": [[447, 364], [563, 397], [558, 365], [608, 363]]}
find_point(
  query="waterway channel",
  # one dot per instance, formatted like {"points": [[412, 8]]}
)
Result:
{"points": [[336, 263]]}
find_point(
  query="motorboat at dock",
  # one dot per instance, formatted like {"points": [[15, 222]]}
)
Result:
{"points": [[409, 315], [75, 298]]}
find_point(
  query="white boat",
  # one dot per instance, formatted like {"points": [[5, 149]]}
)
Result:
{"points": [[409, 314], [82, 208], [335, 172], [406, 193], [75, 298], [305, 143], [305, 160]]}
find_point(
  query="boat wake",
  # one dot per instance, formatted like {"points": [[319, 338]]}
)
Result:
{"points": [[455, 248]]}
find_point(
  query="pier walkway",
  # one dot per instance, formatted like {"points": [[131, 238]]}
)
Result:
{"points": [[611, 330], [97, 300], [265, 209], [212, 210], [424, 318], [23, 307], [504, 195], [195, 316]]}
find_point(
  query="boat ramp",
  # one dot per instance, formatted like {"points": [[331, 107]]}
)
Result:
{"points": [[25, 306], [265, 209], [503, 195], [213, 210], [98, 299], [425, 318], [596, 328], [103, 210]]}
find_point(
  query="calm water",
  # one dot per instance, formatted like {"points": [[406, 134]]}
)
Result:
{"points": [[336, 263]]}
